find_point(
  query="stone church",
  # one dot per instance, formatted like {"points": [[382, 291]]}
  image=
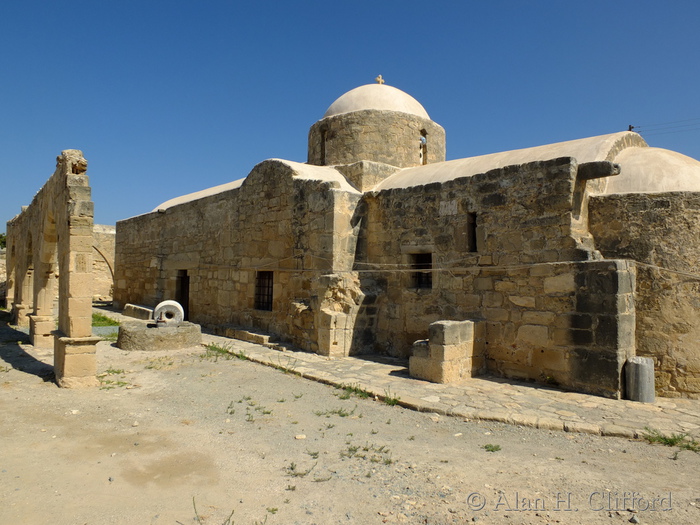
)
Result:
{"points": [[566, 259]]}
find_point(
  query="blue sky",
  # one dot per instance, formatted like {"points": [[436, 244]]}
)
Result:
{"points": [[169, 97]]}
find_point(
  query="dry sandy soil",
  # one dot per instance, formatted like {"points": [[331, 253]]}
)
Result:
{"points": [[171, 430]]}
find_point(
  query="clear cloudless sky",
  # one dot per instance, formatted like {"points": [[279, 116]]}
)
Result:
{"points": [[169, 97]]}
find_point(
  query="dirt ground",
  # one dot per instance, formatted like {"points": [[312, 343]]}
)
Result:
{"points": [[172, 430]]}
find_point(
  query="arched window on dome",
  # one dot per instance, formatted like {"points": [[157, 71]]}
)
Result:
{"points": [[423, 147]]}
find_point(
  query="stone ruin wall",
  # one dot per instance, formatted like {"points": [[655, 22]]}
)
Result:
{"points": [[297, 228], [50, 247], [548, 314], [661, 231], [3, 278], [103, 261]]}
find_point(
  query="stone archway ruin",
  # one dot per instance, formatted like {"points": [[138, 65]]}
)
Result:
{"points": [[56, 232]]}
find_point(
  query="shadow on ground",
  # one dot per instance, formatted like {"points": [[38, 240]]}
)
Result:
{"points": [[14, 356]]}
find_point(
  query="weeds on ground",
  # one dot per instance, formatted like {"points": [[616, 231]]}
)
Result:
{"points": [[111, 337], [336, 412], [352, 390], [674, 440], [288, 368], [109, 384], [5, 369], [198, 518], [215, 351], [492, 448], [159, 363], [293, 471], [103, 320], [369, 451], [391, 399]]}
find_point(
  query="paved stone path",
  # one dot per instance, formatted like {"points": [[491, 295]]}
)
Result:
{"points": [[485, 398]]}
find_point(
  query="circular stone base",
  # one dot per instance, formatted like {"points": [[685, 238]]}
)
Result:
{"points": [[146, 336]]}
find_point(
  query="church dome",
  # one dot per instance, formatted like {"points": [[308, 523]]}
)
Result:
{"points": [[649, 170], [376, 96]]}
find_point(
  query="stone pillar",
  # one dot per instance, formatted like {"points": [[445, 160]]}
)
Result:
{"points": [[20, 314], [41, 322], [41, 330], [74, 361]]}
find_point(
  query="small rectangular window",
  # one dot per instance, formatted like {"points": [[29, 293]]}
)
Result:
{"points": [[263, 291], [422, 262], [471, 232]]}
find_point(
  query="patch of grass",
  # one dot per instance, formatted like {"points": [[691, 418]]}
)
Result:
{"points": [[314, 455], [111, 337], [369, 452], [335, 412], [5, 369], [492, 448], [108, 384], [391, 399], [288, 368], [352, 390], [674, 440], [297, 396], [293, 471], [215, 351], [103, 320]]}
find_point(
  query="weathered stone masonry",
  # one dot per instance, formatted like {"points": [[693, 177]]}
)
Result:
{"points": [[54, 235], [378, 237], [551, 312]]}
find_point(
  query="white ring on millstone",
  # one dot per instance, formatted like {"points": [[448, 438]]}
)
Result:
{"points": [[170, 312]]}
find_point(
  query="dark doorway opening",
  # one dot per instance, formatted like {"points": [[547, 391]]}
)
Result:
{"points": [[182, 292]]}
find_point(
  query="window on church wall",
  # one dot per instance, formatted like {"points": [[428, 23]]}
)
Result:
{"points": [[471, 232], [423, 147], [422, 270], [263, 291]]}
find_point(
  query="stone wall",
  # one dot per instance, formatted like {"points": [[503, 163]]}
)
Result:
{"points": [[297, 226], [50, 249], [388, 137], [509, 249], [103, 261], [353, 273], [661, 231], [3, 278]]}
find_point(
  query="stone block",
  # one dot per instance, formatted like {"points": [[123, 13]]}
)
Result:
{"points": [[75, 363], [451, 332], [138, 311], [554, 359], [451, 352], [524, 302], [564, 283], [421, 348], [537, 335]]}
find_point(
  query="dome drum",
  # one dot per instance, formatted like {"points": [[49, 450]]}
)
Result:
{"points": [[391, 137]]}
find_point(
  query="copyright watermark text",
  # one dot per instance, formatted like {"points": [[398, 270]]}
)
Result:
{"points": [[569, 502]]}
